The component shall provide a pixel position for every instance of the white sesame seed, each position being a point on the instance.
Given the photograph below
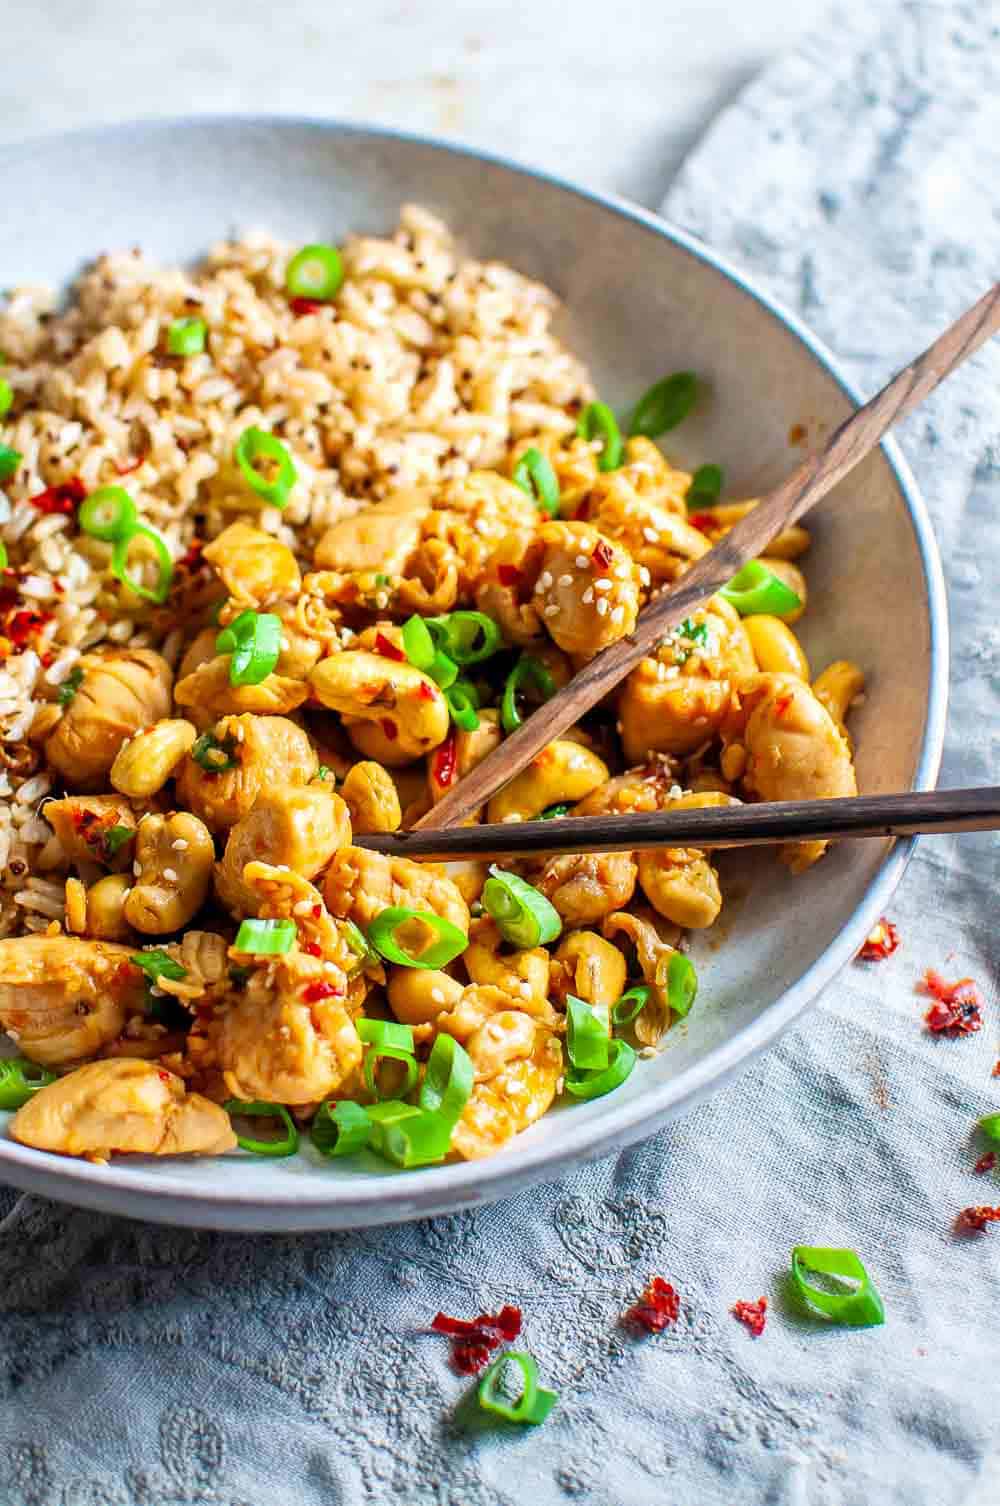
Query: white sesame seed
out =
(618, 615)
(581, 562)
(588, 596)
(603, 584)
(650, 535)
(565, 580)
(602, 606)
(648, 1052)
(644, 575)
(514, 816)
(675, 792)
(525, 990)
(551, 611)
(137, 868)
(285, 645)
(437, 994)
(544, 580)
(302, 907)
(170, 874)
(180, 845)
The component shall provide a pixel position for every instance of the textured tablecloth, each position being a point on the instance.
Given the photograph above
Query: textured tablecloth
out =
(857, 179)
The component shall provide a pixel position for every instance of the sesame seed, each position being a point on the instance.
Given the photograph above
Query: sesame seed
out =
(170, 874)
(588, 596)
(618, 615)
(581, 562)
(525, 990)
(551, 611)
(302, 907)
(437, 994)
(285, 645)
(180, 845)
(603, 584)
(137, 868)
(648, 1052)
(565, 580)
(544, 580)
(514, 816)
(602, 606)
(650, 535)
(644, 575)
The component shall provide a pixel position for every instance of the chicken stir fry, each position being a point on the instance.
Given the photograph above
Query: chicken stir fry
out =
(228, 948)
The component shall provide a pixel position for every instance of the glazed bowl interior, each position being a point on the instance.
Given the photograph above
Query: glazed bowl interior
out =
(640, 300)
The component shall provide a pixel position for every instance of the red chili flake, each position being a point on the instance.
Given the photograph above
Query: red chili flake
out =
(389, 728)
(602, 555)
(508, 575)
(426, 692)
(133, 465)
(316, 912)
(753, 1314)
(445, 763)
(24, 624)
(63, 499)
(986, 1162)
(705, 522)
(313, 992)
(473, 1340)
(996, 1070)
(302, 306)
(388, 649)
(163, 1076)
(973, 1220)
(312, 948)
(191, 559)
(957, 1010)
(782, 704)
(658, 1306)
(881, 941)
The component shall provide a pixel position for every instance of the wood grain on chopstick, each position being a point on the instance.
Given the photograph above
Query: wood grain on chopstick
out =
(714, 826)
(810, 481)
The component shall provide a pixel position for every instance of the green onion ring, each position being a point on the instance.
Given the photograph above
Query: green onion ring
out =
(587, 1037)
(467, 637)
(443, 671)
(527, 669)
(522, 914)
(164, 561)
(682, 983)
(554, 812)
(315, 272)
(4, 558)
(274, 1148)
(463, 705)
(213, 755)
(706, 484)
(385, 1033)
(534, 475)
(9, 462)
(6, 396)
(257, 444)
(534, 1403)
(447, 1084)
(340, 1129)
(664, 404)
(621, 1060)
(419, 1139)
(266, 938)
(596, 420)
(108, 514)
(376, 1054)
(756, 589)
(418, 645)
(21, 1080)
(860, 1308)
(990, 1126)
(450, 943)
(631, 1004)
(186, 337)
(157, 964)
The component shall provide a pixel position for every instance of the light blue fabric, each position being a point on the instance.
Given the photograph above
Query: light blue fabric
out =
(857, 179)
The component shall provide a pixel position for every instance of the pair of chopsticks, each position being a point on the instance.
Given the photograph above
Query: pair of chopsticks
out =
(886, 815)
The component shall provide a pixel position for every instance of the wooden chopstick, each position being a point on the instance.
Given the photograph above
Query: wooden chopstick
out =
(901, 815)
(810, 481)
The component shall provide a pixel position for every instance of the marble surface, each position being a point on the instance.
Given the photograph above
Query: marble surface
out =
(611, 96)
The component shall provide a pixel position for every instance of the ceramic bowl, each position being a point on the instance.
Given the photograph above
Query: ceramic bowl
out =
(640, 299)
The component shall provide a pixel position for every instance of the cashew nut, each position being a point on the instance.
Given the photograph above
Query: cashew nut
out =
(145, 763)
(173, 868)
(563, 772)
(392, 712)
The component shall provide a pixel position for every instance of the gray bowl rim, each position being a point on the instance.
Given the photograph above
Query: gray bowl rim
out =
(465, 1183)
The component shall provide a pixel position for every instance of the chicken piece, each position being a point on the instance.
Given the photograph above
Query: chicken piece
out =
(198, 652)
(520, 1092)
(265, 751)
(359, 885)
(120, 692)
(681, 884)
(794, 750)
(209, 693)
(585, 606)
(83, 824)
(641, 504)
(678, 699)
(295, 826)
(122, 1106)
(255, 567)
(284, 895)
(655, 941)
(62, 999)
(379, 538)
(521, 974)
(470, 518)
(584, 887)
(104, 902)
(588, 967)
(173, 870)
(645, 788)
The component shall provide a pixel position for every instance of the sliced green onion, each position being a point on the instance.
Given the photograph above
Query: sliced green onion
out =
(157, 964)
(385, 1033)
(315, 272)
(376, 1054)
(621, 1060)
(682, 983)
(859, 1307)
(186, 337)
(340, 1129)
(108, 514)
(119, 564)
(256, 444)
(443, 671)
(756, 589)
(266, 938)
(534, 1403)
(447, 1084)
(418, 645)
(357, 940)
(419, 1139)
(70, 686)
(706, 484)
(696, 631)
(631, 1004)
(215, 755)
(598, 419)
(3, 555)
(6, 396)
(20, 1080)
(527, 670)
(587, 1036)
(286, 1146)
(9, 461)
(534, 475)
(115, 839)
(253, 639)
(664, 405)
(449, 941)
(522, 914)
(390, 1111)
(990, 1126)
(553, 812)
(466, 637)
(463, 705)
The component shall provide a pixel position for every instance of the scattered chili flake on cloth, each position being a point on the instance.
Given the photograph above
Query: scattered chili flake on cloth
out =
(986, 1162)
(753, 1314)
(473, 1341)
(658, 1306)
(880, 943)
(956, 1010)
(973, 1220)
